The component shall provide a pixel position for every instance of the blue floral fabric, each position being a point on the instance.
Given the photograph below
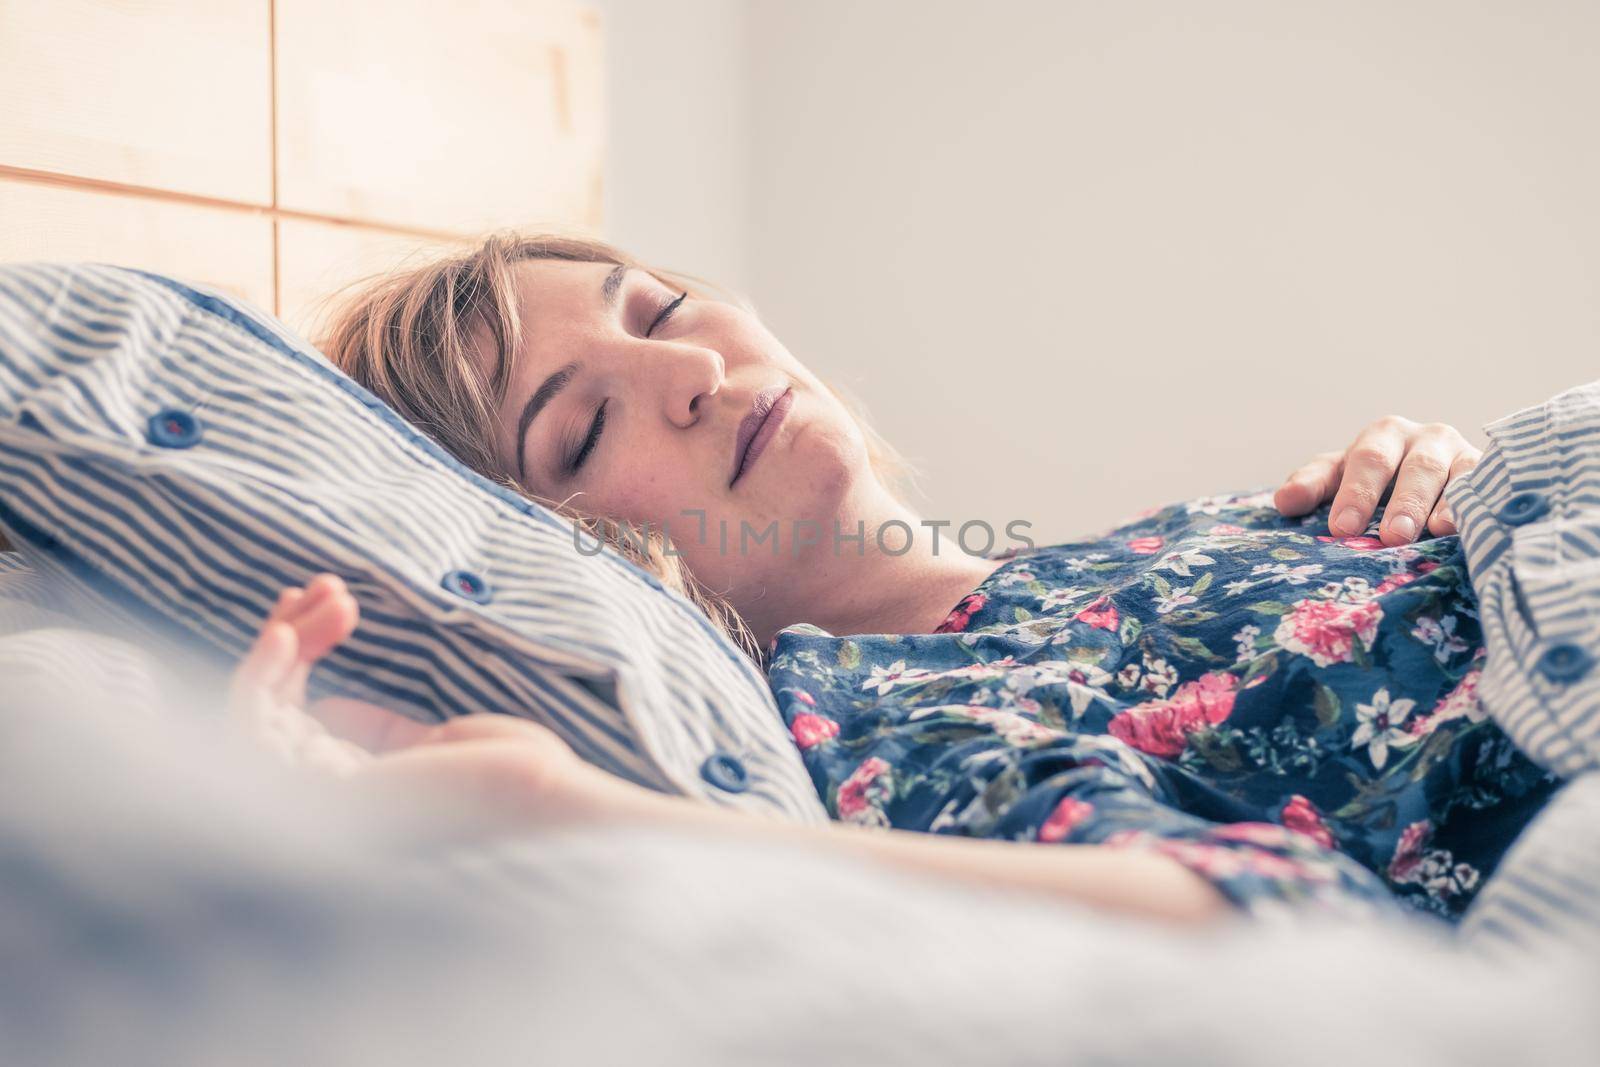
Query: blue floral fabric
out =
(1291, 715)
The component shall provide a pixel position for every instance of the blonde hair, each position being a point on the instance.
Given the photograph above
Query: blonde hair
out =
(408, 337)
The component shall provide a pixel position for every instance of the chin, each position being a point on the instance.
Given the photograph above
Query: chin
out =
(827, 467)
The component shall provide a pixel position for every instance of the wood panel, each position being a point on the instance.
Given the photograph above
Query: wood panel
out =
(316, 261)
(231, 250)
(459, 117)
(170, 94)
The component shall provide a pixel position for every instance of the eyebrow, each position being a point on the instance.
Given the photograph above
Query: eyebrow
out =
(551, 387)
(613, 284)
(548, 390)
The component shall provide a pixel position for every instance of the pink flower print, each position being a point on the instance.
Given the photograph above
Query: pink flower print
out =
(811, 730)
(960, 616)
(1360, 544)
(1146, 546)
(1407, 857)
(1102, 615)
(862, 796)
(1066, 817)
(1460, 702)
(1162, 727)
(1393, 582)
(1327, 630)
(1301, 815)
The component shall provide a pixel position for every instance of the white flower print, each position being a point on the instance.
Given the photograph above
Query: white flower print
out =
(1176, 598)
(1441, 634)
(1159, 676)
(1086, 683)
(1118, 753)
(1061, 597)
(1208, 505)
(1360, 588)
(1245, 640)
(1379, 726)
(1016, 577)
(1299, 574)
(1441, 876)
(1006, 722)
(1022, 677)
(896, 673)
(1128, 677)
(1179, 561)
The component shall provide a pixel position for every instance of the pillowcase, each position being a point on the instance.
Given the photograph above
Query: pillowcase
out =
(171, 458)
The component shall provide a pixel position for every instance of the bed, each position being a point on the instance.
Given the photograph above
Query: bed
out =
(171, 896)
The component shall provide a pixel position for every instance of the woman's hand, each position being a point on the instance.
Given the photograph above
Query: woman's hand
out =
(1416, 459)
(510, 775)
(503, 771)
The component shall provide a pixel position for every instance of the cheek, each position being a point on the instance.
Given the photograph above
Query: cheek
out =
(653, 485)
(830, 459)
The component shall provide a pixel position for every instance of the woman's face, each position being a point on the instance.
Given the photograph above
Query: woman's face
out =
(627, 401)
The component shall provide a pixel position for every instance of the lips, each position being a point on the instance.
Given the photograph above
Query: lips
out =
(757, 428)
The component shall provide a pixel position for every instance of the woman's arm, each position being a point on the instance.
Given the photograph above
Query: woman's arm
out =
(507, 774)
(1130, 881)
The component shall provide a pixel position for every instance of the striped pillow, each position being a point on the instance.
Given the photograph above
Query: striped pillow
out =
(172, 458)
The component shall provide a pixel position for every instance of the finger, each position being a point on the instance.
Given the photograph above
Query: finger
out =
(296, 602)
(1369, 467)
(1443, 520)
(1311, 485)
(373, 728)
(1416, 490)
(250, 689)
(326, 624)
(287, 599)
(269, 659)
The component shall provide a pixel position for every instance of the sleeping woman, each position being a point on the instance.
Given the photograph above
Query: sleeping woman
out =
(1243, 703)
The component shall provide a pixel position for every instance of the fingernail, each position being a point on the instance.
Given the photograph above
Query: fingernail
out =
(1403, 526)
(1445, 514)
(1350, 521)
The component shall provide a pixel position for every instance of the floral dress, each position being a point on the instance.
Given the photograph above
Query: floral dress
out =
(1289, 714)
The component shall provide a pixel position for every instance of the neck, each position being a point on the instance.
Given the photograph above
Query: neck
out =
(873, 592)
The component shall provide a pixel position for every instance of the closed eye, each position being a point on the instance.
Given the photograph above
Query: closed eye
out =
(664, 314)
(596, 428)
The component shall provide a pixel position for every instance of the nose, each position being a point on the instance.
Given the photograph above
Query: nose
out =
(690, 374)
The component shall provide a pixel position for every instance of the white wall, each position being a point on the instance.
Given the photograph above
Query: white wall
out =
(1082, 258)
(678, 151)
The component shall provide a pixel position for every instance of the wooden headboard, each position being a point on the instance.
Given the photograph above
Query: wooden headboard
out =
(277, 149)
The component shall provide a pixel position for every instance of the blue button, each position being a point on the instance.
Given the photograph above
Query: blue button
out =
(1564, 663)
(173, 429)
(1524, 507)
(725, 772)
(468, 585)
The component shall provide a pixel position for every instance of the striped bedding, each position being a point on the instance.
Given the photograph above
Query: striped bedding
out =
(171, 459)
(1529, 516)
